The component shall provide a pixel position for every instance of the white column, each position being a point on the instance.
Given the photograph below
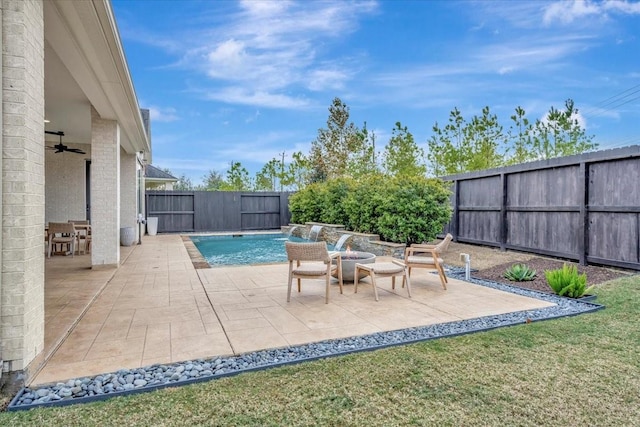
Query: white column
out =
(105, 191)
(128, 186)
(22, 182)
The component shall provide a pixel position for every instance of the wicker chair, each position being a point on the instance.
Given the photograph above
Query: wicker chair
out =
(382, 269)
(318, 263)
(428, 256)
(62, 233)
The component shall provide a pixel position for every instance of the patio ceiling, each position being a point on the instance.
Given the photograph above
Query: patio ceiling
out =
(85, 65)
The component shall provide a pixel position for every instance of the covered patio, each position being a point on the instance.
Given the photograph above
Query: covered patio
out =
(157, 308)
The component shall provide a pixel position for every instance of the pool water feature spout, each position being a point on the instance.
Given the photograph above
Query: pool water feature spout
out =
(342, 240)
(314, 233)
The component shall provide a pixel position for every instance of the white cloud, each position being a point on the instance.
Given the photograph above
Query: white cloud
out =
(527, 53)
(275, 47)
(623, 6)
(242, 95)
(159, 114)
(327, 79)
(567, 12)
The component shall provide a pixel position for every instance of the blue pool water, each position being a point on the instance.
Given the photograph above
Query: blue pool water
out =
(244, 249)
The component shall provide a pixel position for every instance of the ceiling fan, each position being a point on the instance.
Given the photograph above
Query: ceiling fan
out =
(60, 147)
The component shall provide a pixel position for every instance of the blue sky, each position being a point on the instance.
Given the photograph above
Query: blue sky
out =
(245, 81)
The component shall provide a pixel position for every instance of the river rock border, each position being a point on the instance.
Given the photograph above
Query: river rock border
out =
(129, 381)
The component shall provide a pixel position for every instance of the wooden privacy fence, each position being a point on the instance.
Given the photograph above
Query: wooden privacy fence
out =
(584, 207)
(200, 211)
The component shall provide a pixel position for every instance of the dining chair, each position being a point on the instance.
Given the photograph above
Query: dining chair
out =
(83, 233)
(62, 233)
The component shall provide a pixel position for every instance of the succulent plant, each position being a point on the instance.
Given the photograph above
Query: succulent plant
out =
(567, 282)
(520, 273)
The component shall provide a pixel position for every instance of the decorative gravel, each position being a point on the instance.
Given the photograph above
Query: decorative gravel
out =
(153, 377)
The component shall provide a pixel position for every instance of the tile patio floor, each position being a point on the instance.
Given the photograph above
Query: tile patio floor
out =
(157, 308)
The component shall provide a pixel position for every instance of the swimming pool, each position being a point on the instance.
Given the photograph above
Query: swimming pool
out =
(242, 249)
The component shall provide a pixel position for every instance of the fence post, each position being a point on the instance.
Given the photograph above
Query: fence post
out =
(456, 203)
(503, 212)
(583, 221)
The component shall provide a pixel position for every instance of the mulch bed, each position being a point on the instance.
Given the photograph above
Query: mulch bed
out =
(595, 275)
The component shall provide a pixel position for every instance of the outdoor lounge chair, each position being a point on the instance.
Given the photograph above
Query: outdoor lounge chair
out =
(428, 256)
(317, 263)
(62, 233)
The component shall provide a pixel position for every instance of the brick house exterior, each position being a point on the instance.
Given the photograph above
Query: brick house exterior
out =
(62, 62)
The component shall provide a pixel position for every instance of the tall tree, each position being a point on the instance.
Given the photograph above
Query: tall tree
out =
(297, 173)
(446, 146)
(363, 161)
(183, 184)
(402, 156)
(520, 136)
(266, 177)
(335, 144)
(560, 134)
(237, 178)
(212, 181)
(463, 146)
(484, 141)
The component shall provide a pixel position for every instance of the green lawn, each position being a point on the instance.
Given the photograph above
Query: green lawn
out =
(582, 370)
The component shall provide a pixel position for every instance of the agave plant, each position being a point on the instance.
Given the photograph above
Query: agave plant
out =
(567, 282)
(520, 273)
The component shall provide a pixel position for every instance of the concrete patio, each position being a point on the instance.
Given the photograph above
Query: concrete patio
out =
(157, 308)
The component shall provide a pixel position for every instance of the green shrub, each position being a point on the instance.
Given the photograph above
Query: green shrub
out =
(306, 205)
(566, 281)
(401, 210)
(520, 273)
(362, 205)
(414, 210)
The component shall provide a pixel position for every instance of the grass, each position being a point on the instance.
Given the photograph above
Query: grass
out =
(582, 370)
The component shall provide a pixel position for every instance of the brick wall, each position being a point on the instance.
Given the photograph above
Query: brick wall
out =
(22, 276)
(105, 191)
(65, 185)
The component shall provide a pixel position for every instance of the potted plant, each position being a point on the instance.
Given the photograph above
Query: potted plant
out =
(567, 282)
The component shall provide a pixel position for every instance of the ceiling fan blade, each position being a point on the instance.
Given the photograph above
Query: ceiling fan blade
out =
(60, 147)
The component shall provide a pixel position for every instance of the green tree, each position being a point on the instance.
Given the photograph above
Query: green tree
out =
(266, 177)
(183, 184)
(484, 142)
(212, 181)
(520, 136)
(402, 156)
(237, 178)
(478, 144)
(334, 146)
(362, 162)
(560, 134)
(297, 174)
(446, 150)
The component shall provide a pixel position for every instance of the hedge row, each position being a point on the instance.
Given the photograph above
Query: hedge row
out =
(400, 210)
